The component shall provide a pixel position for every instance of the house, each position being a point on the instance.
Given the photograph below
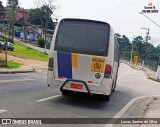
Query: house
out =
(22, 14)
(32, 33)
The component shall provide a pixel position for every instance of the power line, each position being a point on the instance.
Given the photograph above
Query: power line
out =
(149, 19)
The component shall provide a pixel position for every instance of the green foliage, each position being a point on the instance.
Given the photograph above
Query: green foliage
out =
(2, 39)
(37, 16)
(41, 42)
(141, 48)
(135, 54)
(138, 45)
(1, 5)
(126, 54)
(124, 45)
(27, 53)
(12, 3)
(11, 64)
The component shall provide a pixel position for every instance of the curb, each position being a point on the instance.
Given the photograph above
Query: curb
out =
(19, 70)
(14, 72)
(125, 109)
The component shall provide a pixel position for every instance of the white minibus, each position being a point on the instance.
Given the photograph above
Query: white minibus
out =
(84, 58)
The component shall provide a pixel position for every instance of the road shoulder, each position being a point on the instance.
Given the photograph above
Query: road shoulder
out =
(140, 107)
(150, 74)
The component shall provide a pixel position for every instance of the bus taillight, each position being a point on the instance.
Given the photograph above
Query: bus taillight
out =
(108, 71)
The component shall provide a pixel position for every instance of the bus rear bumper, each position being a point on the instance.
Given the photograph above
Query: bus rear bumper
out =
(103, 89)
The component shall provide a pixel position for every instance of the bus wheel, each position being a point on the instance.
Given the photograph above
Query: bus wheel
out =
(105, 97)
(69, 93)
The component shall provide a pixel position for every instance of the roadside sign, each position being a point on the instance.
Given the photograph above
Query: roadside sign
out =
(135, 58)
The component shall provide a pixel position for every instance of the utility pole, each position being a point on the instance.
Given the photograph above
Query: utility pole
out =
(158, 66)
(46, 25)
(12, 25)
(131, 60)
(24, 26)
(145, 42)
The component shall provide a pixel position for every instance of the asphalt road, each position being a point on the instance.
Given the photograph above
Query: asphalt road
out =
(27, 96)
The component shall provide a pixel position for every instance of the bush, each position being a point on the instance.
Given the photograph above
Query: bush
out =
(10, 40)
(2, 39)
(41, 42)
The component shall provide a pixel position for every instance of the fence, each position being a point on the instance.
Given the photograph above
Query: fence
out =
(151, 64)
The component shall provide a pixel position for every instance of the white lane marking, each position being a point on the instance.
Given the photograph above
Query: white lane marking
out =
(3, 110)
(127, 106)
(16, 80)
(48, 98)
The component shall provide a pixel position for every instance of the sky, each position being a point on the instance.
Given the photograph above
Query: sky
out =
(122, 15)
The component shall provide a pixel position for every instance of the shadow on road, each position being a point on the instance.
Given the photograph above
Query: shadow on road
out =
(117, 100)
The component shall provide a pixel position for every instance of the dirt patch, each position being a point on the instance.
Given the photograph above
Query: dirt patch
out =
(35, 64)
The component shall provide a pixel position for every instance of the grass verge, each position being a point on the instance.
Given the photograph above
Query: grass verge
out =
(27, 53)
(11, 64)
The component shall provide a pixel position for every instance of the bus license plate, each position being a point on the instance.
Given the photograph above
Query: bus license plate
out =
(76, 86)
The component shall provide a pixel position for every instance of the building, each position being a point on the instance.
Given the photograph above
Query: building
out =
(32, 33)
(6, 11)
(22, 15)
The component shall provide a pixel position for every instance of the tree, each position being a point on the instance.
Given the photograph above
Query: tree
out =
(138, 45)
(37, 16)
(1, 5)
(12, 3)
(42, 15)
(1, 10)
(124, 45)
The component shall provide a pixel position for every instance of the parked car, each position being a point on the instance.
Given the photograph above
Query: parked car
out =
(1, 44)
(10, 46)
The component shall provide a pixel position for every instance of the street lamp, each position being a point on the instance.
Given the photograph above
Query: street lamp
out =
(144, 53)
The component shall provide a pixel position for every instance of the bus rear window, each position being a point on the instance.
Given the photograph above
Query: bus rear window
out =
(83, 36)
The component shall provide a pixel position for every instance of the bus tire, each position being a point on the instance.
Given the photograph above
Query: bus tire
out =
(105, 97)
(68, 93)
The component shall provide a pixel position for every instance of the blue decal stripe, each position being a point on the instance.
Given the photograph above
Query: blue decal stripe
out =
(64, 64)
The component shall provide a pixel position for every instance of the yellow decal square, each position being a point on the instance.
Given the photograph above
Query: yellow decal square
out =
(97, 64)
